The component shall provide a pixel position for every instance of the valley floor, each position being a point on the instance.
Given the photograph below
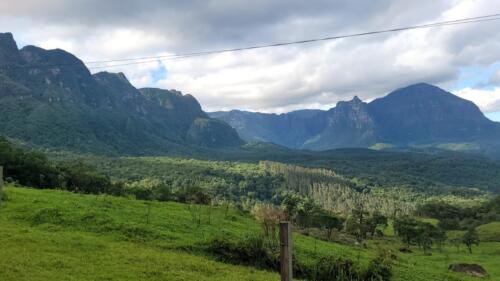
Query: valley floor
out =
(56, 235)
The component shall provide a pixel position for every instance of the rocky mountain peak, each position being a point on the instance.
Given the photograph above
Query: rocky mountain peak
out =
(7, 41)
(8, 49)
(356, 99)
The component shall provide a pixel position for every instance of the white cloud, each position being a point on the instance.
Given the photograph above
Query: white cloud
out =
(279, 79)
(495, 78)
(487, 100)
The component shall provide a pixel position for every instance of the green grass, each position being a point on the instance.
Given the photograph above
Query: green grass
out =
(57, 235)
(38, 254)
(489, 232)
(54, 235)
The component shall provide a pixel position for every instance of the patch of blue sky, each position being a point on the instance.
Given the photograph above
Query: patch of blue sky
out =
(495, 116)
(476, 77)
(160, 73)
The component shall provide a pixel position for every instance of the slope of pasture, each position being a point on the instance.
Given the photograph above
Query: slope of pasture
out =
(57, 235)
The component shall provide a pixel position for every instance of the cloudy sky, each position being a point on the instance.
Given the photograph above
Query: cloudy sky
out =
(464, 59)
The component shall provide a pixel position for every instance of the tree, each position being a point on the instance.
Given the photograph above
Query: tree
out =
(376, 219)
(329, 223)
(307, 211)
(470, 238)
(439, 237)
(425, 235)
(356, 225)
(290, 204)
(406, 228)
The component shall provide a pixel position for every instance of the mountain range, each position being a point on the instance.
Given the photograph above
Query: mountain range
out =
(419, 115)
(50, 99)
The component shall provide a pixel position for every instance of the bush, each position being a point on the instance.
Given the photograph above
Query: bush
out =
(331, 268)
(379, 269)
(256, 251)
(251, 250)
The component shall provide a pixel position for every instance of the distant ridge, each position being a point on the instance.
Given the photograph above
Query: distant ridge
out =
(417, 115)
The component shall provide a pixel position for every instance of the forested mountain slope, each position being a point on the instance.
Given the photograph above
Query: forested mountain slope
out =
(417, 115)
(50, 99)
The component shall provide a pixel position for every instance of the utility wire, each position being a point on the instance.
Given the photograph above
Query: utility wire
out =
(436, 24)
(142, 60)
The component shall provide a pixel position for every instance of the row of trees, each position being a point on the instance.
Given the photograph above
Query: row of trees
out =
(454, 217)
(31, 168)
(341, 195)
(425, 235)
(305, 214)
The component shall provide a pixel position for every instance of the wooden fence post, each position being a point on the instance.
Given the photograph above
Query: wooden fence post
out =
(286, 251)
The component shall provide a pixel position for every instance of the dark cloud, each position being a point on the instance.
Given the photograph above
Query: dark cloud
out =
(285, 78)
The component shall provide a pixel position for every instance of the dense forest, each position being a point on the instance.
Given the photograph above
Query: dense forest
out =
(178, 179)
(430, 171)
(336, 193)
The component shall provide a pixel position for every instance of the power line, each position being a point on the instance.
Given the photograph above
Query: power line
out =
(133, 61)
(142, 60)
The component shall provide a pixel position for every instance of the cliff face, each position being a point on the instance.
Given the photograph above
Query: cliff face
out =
(49, 98)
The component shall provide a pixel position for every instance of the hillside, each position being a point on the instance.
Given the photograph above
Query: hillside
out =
(88, 237)
(66, 236)
(209, 212)
(48, 98)
(413, 116)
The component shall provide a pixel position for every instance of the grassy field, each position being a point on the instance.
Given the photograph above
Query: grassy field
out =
(56, 235)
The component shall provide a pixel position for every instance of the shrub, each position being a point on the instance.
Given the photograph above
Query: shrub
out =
(251, 250)
(269, 217)
(379, 269)
(256, 251)
(331, 268)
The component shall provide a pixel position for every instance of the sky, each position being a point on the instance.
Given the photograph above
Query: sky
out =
(463, 59)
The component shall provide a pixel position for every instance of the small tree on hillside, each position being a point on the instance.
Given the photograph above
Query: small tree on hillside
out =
(439, 237)
(425, 236)
(290, 205)
(470, 238)
(307, 211)
(330, 222)
(269, 217)
(376, 219)
(406, 228)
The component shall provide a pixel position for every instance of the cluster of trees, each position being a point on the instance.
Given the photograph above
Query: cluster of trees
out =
(31, 168)
(224, 181)
(340, 195)
(434, 173)
(302, 212)
(162, 179)
(361, 223)
(415, 232)
(454, 217)
(425, 235)
(305, 214)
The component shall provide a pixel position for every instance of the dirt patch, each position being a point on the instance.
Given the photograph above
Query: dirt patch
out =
(471, 269)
